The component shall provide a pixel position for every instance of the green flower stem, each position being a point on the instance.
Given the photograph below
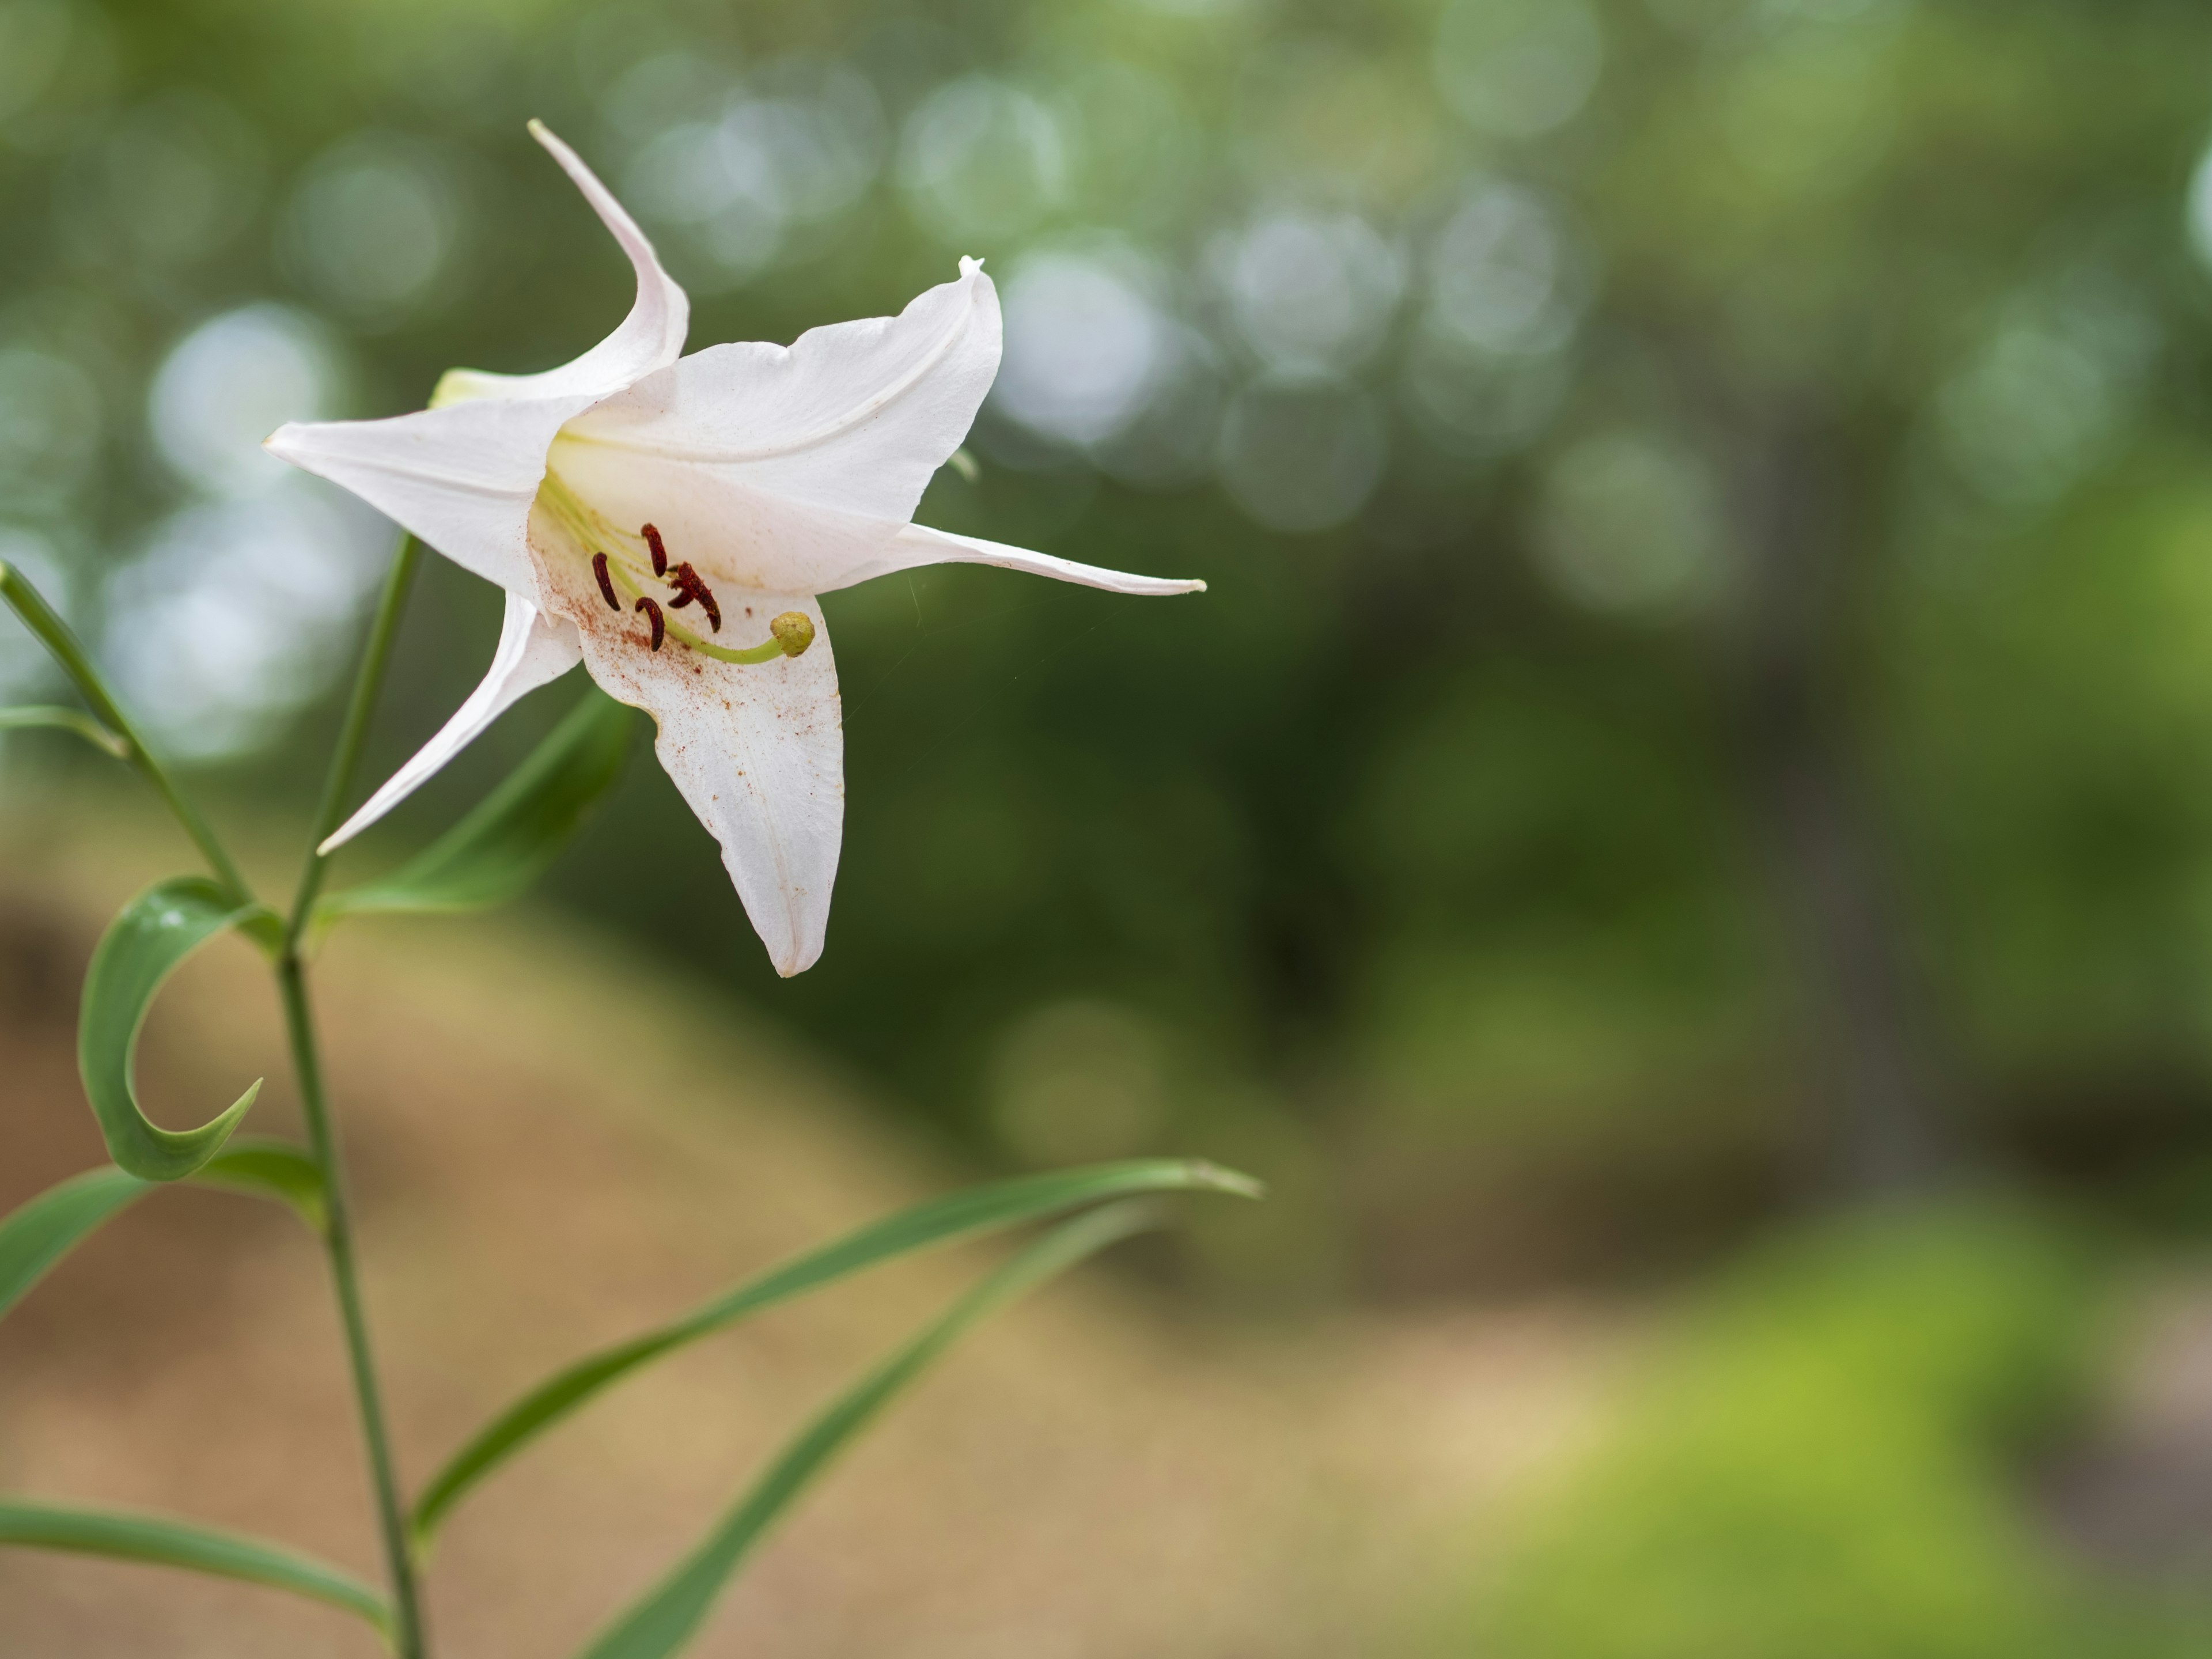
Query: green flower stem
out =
(376, 657)
(407, 1637)
(69, 651)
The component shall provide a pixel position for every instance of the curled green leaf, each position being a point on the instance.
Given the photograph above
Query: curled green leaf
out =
(66, 719)
(937, 1221)
(38, 1233)
(141, 947)
(161, 1541)
(514, 834)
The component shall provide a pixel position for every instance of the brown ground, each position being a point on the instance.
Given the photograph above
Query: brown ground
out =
(554, 1144)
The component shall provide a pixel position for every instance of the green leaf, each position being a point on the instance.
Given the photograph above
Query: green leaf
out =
(39, 1232)
(67, 720)
(36, 1235)
(939, 1221)
(168, 1543)
(271, 1168)
(660, 1622)
(143, 945)
(515, 832)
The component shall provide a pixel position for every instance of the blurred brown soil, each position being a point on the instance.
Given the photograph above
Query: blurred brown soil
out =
(555, 1144)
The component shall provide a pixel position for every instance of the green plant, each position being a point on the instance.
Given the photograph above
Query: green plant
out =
(1827, 1467)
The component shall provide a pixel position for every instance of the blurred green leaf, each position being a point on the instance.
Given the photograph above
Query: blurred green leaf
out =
(41, 1232)
(66, 719)
(939, 1221)
(141, 947)
(663, 1621)
(271, 1168)
(515, 832)
(37, 1234)
(163, 1542)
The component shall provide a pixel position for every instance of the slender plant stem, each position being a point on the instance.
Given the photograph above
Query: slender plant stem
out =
(322, 1136)
(69, 651)
(376, 656)
(337, 1236)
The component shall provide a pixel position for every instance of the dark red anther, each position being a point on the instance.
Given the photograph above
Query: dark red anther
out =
(659, 553)
(652, 614)
(689, 584)
(606, 582)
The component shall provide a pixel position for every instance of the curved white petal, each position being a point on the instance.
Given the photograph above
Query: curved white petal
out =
(650, 337)
(461, 474)
(534, 649)
(756, 749)
(789, 469)
(918, 544)
(462, 478)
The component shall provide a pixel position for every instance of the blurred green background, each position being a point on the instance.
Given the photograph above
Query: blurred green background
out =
(1701, 719)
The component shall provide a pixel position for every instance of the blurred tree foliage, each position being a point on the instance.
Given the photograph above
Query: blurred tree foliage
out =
(1704, 681)
(1828, 1464)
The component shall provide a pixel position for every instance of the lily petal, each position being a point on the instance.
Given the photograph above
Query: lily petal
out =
(789, 469)
(462, 473)
(534, 650)
(650, 337)
(756, 749)
(918, 544)
(462, 478)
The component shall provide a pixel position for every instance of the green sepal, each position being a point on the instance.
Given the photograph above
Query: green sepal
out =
(937, 1221)
(161, 1541)
(38, 1232)
(141, 947)
(663, 1621)
(514, 834)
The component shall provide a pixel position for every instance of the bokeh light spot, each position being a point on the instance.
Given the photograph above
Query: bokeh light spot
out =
(1301, 457)
(1517, 68)
(229, 384)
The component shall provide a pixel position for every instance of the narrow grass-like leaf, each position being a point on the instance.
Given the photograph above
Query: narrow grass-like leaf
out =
(36, 1235)
(163, 1542)
(937, 1221)
(66, 719)
(666, 1618)
(69, 652)
(141, 947)
(39, 1232)
(515, 832)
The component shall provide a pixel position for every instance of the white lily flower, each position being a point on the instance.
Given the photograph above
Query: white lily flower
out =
(606, 496)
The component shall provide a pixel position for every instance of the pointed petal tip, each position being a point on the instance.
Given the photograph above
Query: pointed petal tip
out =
(339, 836)
(795, 959)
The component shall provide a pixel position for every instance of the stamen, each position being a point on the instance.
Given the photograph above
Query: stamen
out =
(606, 582)
(659, 553)
(687, 583)
(652, 614)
